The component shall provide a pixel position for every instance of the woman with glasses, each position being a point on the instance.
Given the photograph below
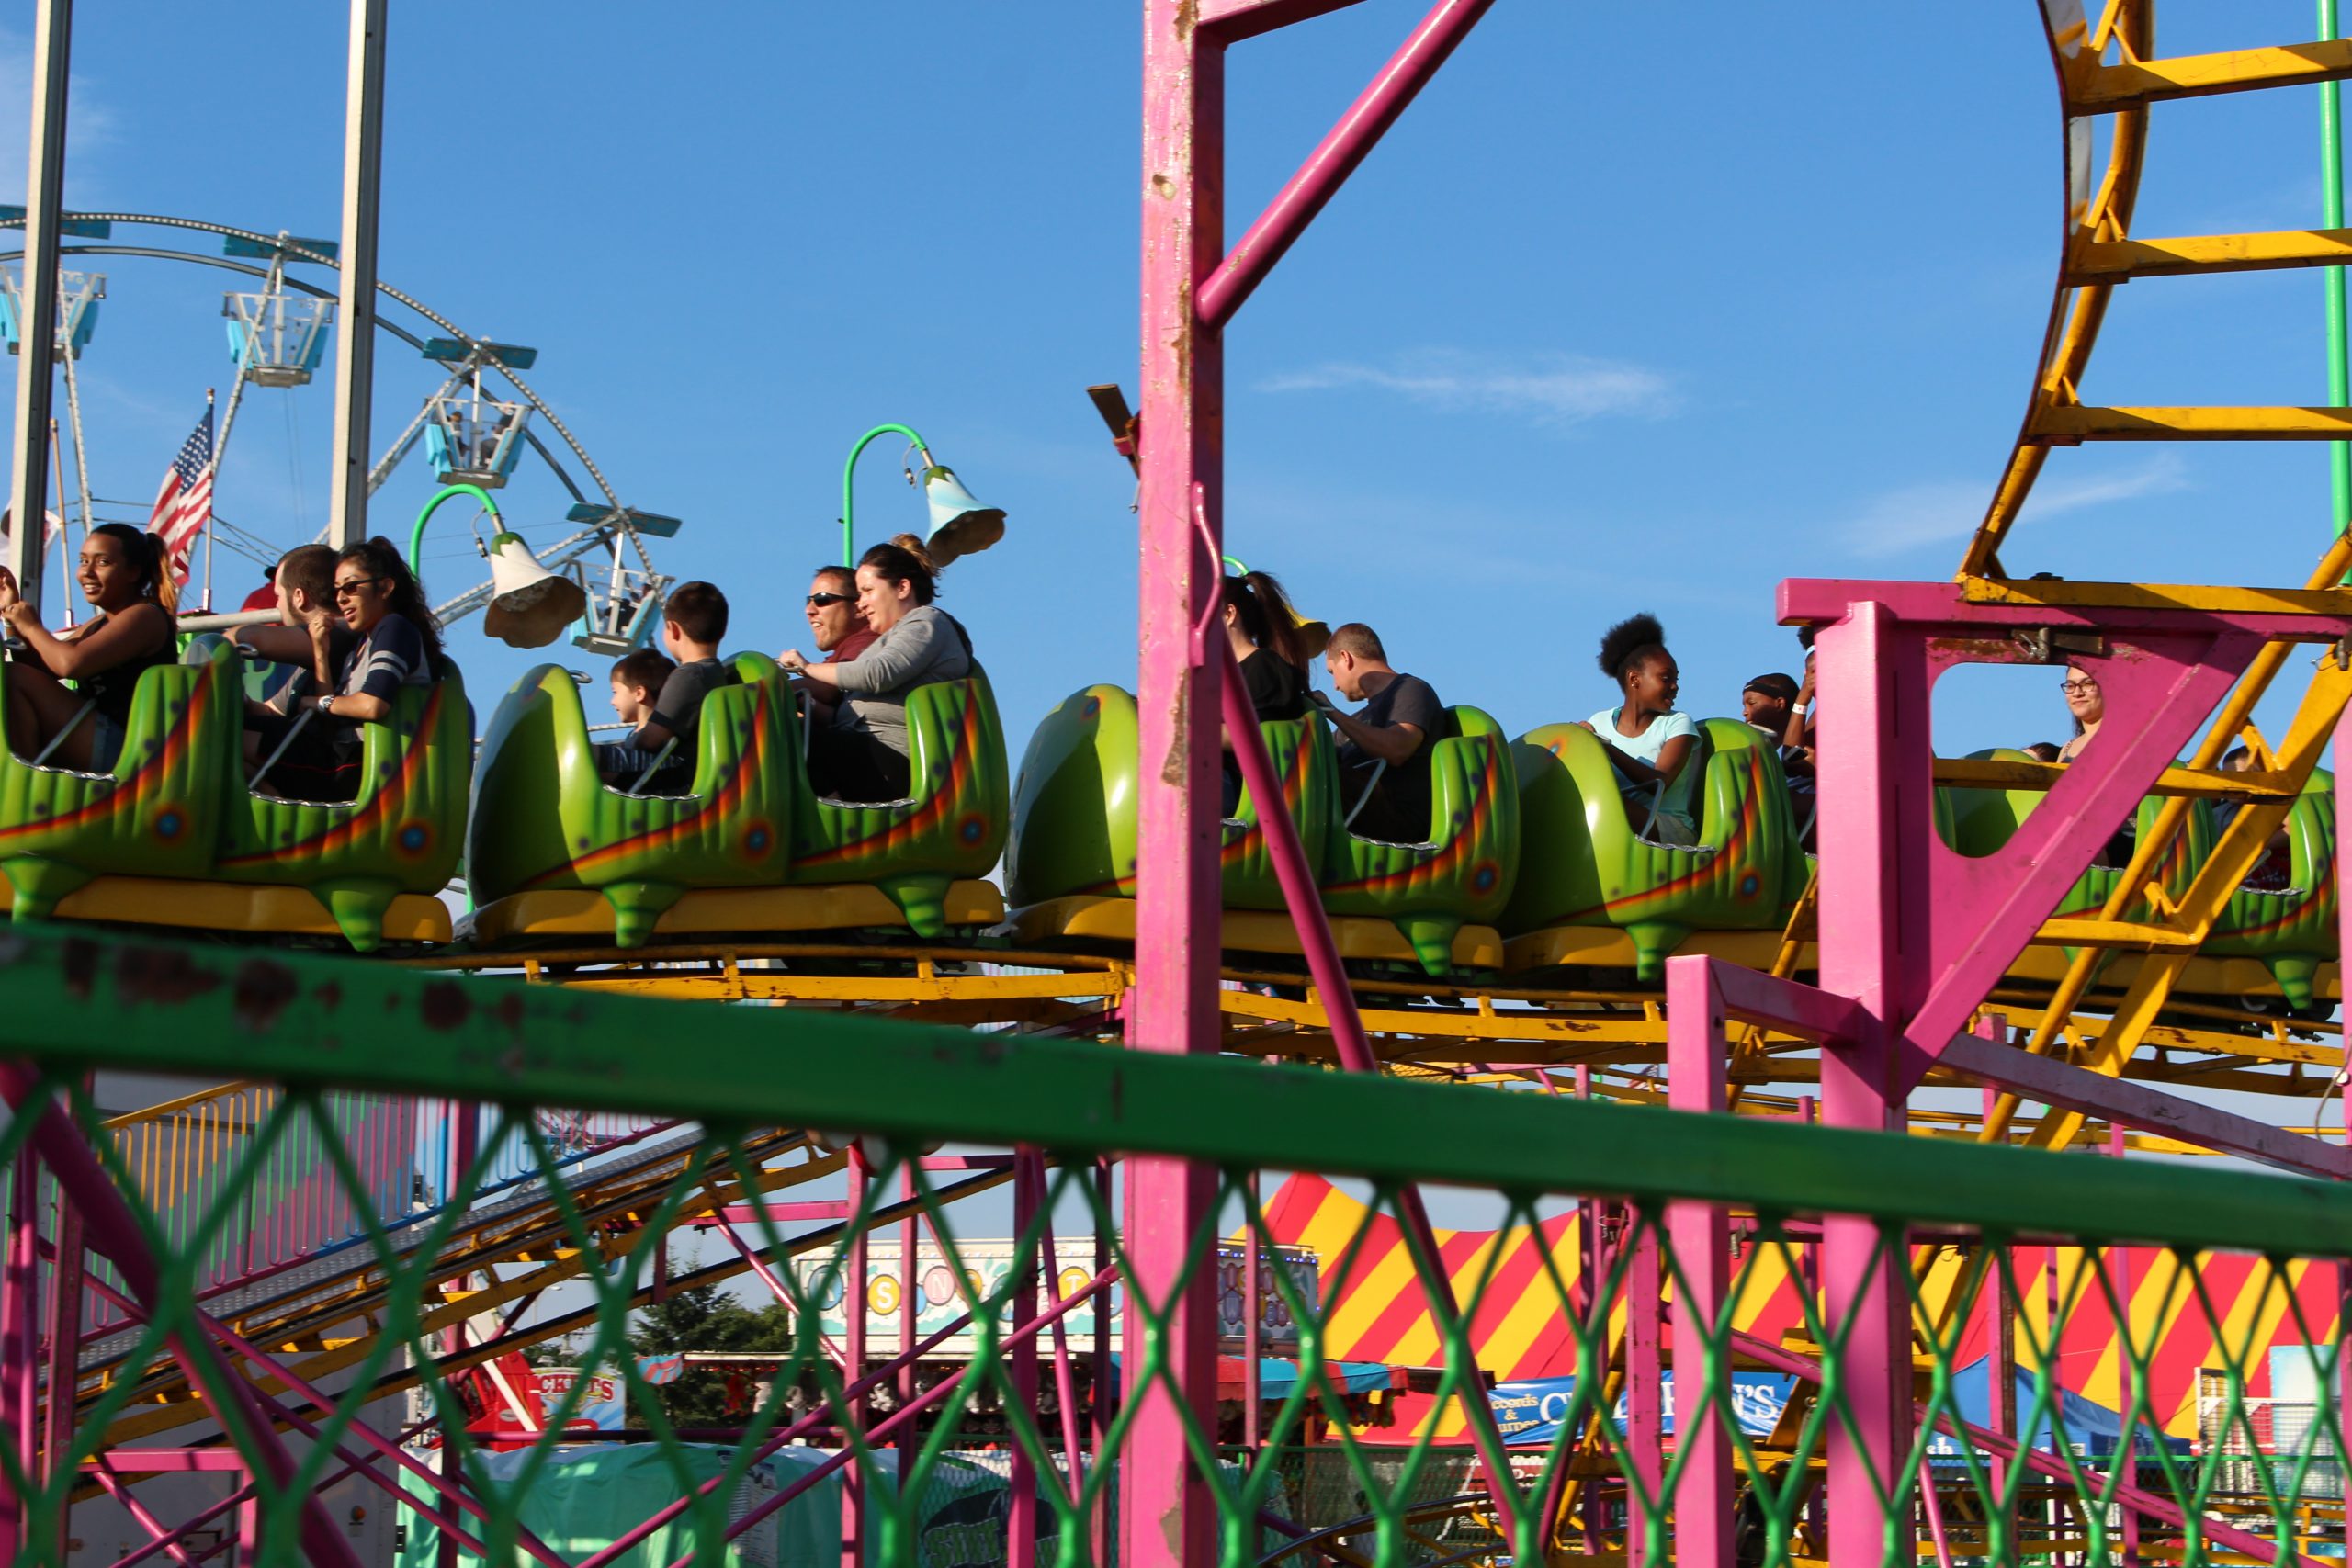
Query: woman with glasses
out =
(2088, 706)
(381, 604)
(862, 754)
(126, 575)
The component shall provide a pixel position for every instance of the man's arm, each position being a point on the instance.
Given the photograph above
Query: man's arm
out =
(1391, 744)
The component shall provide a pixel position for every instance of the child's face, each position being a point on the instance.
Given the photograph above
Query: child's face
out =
(628, 703)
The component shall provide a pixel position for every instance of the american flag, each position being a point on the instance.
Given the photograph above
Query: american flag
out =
(184, 505)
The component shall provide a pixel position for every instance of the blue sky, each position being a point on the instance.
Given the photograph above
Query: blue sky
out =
(1626, 314)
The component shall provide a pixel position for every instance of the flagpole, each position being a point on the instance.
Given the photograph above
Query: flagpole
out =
(213, 458)
(81, 458)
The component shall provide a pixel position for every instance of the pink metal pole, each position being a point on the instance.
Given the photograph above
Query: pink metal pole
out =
(64, 1352)
(465, 1143)
(1020, 1369)
(861, 1407)
(1696, 1056)
(1167, 1514)
(20, 1349)
(1644, 1369)
(1877, 816)
(1329, 166)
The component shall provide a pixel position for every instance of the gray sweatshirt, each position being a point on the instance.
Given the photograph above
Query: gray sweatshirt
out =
(920, 650)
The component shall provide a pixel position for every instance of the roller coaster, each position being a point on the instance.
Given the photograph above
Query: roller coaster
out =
(1970, 924)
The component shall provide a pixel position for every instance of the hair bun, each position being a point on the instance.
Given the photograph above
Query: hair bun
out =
(916, 549)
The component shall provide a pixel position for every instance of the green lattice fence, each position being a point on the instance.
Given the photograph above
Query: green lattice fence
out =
(948, 1460)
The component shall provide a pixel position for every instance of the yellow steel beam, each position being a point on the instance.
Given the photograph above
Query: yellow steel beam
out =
(2103, 89)
(2117, 261)
(1972, 773)
(2058, 594)
(2065, 423)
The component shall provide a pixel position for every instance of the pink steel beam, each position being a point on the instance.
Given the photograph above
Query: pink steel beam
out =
(1167, 1514)
(1960, 921)
(1305, 899)
(1874, 795)
(1695, 1074)
(113, 1234)
(1328, 167)
(1188, 291)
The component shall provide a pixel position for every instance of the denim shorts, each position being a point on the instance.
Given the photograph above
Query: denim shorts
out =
(106, 737)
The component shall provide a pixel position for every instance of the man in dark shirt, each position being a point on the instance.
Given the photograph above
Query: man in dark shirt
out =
(840, 632)
(1400, 719)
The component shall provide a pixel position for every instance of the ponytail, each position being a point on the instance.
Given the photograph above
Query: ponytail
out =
(1267, 618)
(158, 584)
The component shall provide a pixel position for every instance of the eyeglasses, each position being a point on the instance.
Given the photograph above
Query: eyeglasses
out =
(2076, 688)
(351, 590)
(818, 601)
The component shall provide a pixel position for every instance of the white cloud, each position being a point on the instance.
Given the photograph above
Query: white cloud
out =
(1556, 389)
(91, 125)
(1939, 511)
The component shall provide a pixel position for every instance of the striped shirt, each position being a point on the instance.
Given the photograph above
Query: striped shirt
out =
(389, 657)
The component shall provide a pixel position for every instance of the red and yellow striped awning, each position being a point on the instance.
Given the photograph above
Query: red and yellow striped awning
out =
(2200, 1312)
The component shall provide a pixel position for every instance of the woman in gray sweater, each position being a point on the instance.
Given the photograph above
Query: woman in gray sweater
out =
(862, 754)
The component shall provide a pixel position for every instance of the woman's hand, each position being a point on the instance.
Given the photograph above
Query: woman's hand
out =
(19, 614)
(1585, 725)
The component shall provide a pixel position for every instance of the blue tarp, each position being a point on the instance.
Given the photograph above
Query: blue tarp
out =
(2083, 1425)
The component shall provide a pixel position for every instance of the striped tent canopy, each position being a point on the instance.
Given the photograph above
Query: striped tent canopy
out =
(2200, 1313)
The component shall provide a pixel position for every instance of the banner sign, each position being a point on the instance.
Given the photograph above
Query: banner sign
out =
(939, 1298)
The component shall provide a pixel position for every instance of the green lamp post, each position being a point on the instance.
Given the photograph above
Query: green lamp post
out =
(529, 606)
(959, 524)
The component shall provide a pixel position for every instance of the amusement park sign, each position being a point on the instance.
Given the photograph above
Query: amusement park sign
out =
(939, 1301)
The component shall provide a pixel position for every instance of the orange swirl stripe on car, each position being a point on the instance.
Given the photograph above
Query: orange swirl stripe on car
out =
(144, 782)
(1294, 801)
(392, 798)
(725, 799)
(926, 815)
(2299, 908)
(1457, 848)
(1751, 815)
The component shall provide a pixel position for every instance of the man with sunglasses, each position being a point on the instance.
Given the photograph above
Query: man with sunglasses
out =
(840, 632)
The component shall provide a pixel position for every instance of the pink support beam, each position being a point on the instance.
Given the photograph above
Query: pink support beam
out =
(1188, 289)
(1871, 793)
(1167, 1513)
(1696, 1056)
(1960, 923)
(1644, 1383)
(1328, 167)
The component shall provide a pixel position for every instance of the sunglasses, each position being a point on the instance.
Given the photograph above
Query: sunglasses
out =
(351, 590)
(819, 601)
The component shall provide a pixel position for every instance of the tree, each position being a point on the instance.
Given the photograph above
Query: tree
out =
(704, 1317)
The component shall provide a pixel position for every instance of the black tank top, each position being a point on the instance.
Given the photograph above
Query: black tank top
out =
(112, 689)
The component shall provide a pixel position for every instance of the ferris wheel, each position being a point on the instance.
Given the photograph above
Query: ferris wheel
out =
(479, 429)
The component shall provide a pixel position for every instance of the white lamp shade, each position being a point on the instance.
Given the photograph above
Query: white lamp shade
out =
(529, 606)
(959, 524)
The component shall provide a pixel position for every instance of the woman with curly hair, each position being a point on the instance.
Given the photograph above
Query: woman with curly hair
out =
(1649, 741)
